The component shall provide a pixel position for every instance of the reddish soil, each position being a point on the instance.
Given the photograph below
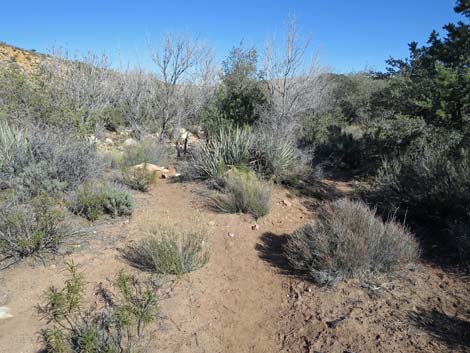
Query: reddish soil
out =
(245, 299)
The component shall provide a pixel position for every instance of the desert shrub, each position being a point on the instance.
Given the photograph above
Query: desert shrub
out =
(35, 161)
(116, 323)
(429, 181)
(86, 201)
(244, 193)
(349, 240)
(170, 249)
(316, 129)
(12, 139)
(91, 200)
(73, 160)
(275, 155)
(140, 179)
(229, 147)
(145, 151)
(117, 200)
(29, 227)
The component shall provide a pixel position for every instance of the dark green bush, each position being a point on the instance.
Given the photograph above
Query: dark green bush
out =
(348, 240)
(114, 325)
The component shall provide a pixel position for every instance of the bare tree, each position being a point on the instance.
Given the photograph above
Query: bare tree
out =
(294, 83)
(79, 88)
(184, 71)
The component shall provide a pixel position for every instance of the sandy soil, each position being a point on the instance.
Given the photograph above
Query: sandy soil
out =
(245, 299)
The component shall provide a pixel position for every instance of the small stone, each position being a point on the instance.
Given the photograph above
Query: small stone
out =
(5, 313)
(231, 235)
(287, 203)
(53, 266)
(255, 226)
(108, 141)
(211, 223)
(171, 171)
(130, 142)
(126, 222)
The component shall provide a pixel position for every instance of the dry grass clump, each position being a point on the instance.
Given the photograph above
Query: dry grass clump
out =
(140, 179)
(349, 240)
(168, 248)
(244, 192)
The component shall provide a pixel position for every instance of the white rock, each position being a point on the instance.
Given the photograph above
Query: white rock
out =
(287, 203)
(130, 142)
(4, 313)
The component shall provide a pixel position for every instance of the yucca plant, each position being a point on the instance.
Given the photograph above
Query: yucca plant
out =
(275, 155)
(229, 147)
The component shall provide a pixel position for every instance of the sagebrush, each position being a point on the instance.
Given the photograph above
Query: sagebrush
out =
(349, 240)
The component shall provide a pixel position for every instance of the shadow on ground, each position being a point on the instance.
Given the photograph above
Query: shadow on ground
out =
(452, 331)
(271, 250)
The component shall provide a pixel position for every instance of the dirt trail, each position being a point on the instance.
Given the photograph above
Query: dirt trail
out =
(243, 300)
(233, 304)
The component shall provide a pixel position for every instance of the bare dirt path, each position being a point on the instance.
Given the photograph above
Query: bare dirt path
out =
(233, 304)
(244, 300)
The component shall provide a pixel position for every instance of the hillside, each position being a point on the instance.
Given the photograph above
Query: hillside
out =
(28, 60)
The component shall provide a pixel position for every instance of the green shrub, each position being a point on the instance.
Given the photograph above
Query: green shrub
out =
(117, 201)
(169, 249)
(140, 179)
(91, 200)
(116, 325)
(429, 181)
(29, 227)
(348, 240)
(86, 201)
(145, 151)
(244, 193)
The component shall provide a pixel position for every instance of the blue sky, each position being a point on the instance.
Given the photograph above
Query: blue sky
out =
(350, 35)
